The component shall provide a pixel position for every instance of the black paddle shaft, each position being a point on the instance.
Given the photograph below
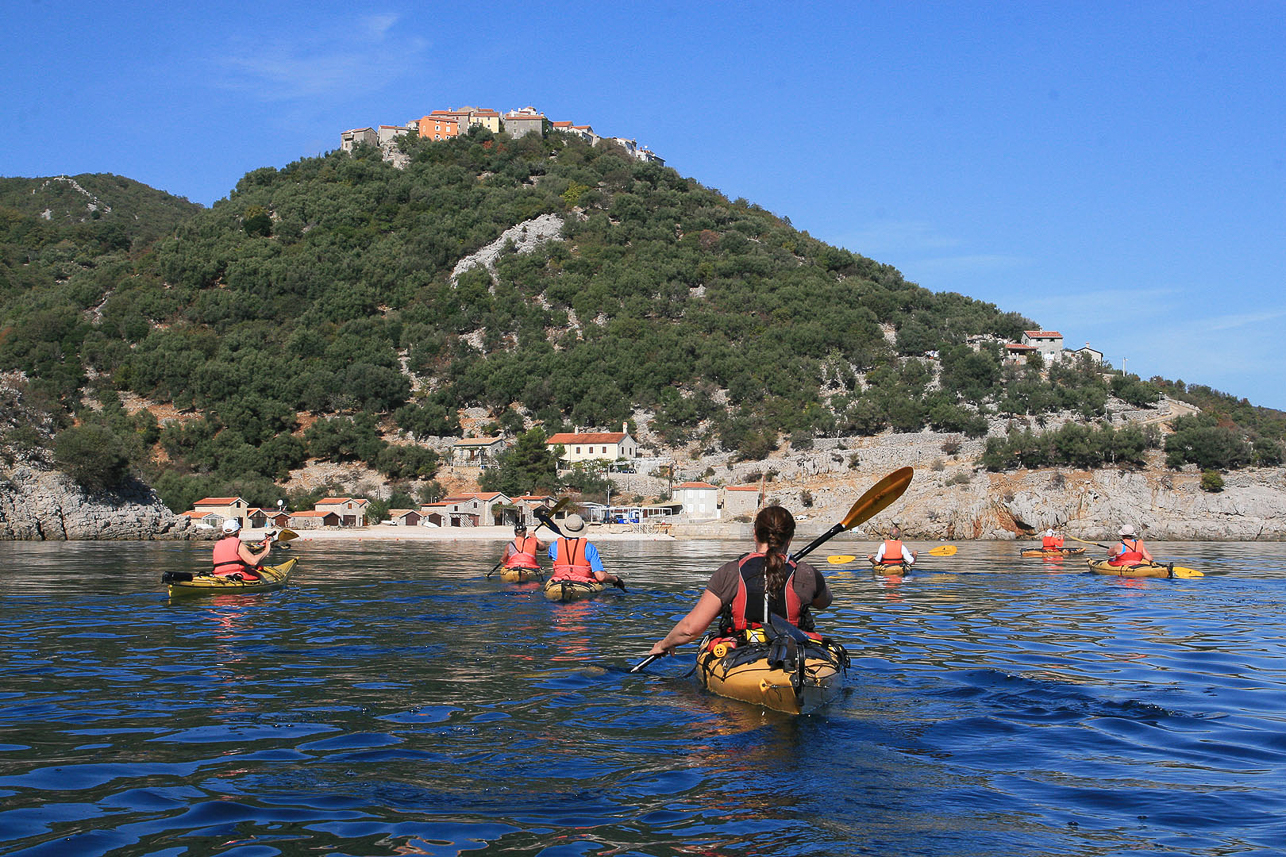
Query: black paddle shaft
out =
(818, 542)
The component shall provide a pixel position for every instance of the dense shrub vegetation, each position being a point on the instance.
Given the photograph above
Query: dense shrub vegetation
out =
(322, 294)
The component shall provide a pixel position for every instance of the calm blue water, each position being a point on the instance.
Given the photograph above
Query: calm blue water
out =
(393, 701)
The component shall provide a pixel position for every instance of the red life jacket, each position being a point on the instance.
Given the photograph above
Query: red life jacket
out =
(750, 598)
(228, 561)
(1051, 543)
(893, 552)
(570, 562)
(1129, 555)
(524, 555)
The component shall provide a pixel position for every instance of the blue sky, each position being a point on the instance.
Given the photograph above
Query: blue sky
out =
(1114, 171)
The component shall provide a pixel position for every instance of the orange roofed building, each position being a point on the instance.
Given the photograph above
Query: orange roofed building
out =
(351, 510)
(594, 446)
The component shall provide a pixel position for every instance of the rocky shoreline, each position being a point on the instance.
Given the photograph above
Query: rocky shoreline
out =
(945, 502)
(38, 504)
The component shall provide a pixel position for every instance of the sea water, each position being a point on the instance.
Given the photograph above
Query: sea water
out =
(393, 700)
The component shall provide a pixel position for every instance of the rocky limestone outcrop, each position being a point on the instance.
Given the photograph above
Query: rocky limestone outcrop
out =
(42, 504)
(958, 503)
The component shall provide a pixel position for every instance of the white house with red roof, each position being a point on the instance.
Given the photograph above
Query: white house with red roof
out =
(1048, 342)
(700, 500)
(594, 446)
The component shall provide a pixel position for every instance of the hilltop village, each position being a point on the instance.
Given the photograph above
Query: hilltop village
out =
(446, 124)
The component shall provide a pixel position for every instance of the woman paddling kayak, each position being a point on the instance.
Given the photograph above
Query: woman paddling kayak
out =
(765, 651)
(747, 590)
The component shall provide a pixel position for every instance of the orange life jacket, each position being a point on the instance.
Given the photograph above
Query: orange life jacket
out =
(570, 562)
(1051, 543)
(227, 559)
(750, 599)
(893, 552)
(1129, 555)
(524, 555)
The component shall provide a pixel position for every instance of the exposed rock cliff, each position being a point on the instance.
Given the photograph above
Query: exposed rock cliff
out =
(956, 503)
(41, 504)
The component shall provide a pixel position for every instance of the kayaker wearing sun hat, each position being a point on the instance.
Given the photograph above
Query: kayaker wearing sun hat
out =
(1131, 550)
(574, 557)
(233, 556)
(1051, 541)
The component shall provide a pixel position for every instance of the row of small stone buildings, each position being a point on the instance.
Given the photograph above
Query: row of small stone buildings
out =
(698, 501)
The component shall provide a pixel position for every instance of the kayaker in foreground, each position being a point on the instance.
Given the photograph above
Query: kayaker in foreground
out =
(575, 557)
(736, 591)
(233, 556)
(1131, 550)
(892, 551)
(521, 552)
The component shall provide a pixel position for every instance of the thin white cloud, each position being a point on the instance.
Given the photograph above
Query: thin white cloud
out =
(359, 57)
(1231, 322)
(899, 237)
(975, 263)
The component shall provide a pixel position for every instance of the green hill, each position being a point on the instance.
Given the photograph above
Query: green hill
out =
(325, 290)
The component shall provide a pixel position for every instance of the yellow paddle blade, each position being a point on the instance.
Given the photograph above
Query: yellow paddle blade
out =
(880, 496)
(287, 535)
(558, 507)
(840, 560)
(944, 550)
(1180, 571)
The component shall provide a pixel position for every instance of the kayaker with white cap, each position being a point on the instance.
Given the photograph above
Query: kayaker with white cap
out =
(233, 556)
(575, 557)
(1131, 550)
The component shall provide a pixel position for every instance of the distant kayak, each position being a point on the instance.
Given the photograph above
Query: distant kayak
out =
(891, 567)
(1053, 552)
(1142, 569)
(206, 583)
(769, 674)
(520, 575)
(571, 590)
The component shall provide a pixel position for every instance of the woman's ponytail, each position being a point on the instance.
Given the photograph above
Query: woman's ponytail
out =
(775, 527)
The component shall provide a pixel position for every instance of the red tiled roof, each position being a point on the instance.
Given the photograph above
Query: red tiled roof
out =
(1043, 334)
(217, 501)
(696, 485)
(311, 513)
(590, 437)
(742, 488)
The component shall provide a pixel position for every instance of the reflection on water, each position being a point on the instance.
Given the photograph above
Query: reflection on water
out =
(394, 701)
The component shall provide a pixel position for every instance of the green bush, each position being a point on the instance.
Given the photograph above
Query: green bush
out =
(93, 455)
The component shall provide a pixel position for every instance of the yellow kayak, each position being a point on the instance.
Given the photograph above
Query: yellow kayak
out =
(891, 567)
(520, 575)
(206, 583)
(1143, 569)
(768, 674)
(570, 590)
(1054, 553)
